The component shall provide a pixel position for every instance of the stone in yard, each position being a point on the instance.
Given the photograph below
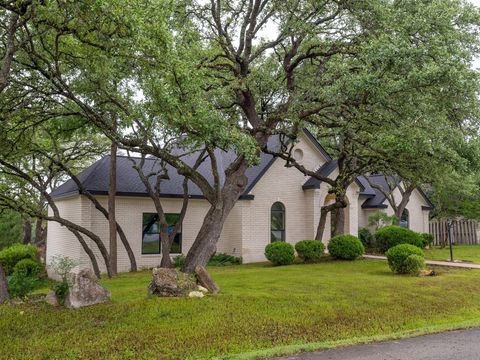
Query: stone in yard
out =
(202, 289)
(196, 294)
(85, 291)
(52, 299)
(205, 280)
(171, 282)
(428, 272)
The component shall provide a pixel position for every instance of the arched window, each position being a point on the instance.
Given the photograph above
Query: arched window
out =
(277, 222)
(404, 220)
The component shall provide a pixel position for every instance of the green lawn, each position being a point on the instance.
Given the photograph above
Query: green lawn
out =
(287, 308)
(460, 252)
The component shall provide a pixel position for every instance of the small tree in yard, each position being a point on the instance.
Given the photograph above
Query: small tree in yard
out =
(380, 219)
(62, 265)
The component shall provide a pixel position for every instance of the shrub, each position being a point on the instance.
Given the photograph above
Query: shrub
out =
(365, 237)
(224, 260)
(10, 256)
(427, 239)
(62, 265)
(61, 290)
(178, 261)
(309, 250)
(346, 247)
(19, 285)
(28, 267)
(391, 236)
(398, 255)
(414, 264)
(280, 253)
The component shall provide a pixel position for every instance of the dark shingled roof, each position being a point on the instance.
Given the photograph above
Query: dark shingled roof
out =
(377, 201)
(96, 177)
(327, 168)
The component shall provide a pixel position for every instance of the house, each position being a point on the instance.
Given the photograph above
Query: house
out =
(279, 203)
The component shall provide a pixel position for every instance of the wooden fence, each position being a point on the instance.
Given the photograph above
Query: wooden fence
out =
(463, 232)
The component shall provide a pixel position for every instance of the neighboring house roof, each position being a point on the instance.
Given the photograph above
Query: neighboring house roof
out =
(96, 177)
(377, 201)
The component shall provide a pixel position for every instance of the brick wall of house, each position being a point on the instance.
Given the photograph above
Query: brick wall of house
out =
(284, 185)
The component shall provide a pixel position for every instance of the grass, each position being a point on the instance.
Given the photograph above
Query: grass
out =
(261, 311)
(469, 253)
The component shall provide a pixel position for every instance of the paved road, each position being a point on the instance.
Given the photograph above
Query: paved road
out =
(454, 345)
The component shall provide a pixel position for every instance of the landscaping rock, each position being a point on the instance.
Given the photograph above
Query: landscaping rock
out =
(202, 289)
(171, 282)
(52, 299)
(205, 280)
(85, 291)
(196, 294)
(428, 272)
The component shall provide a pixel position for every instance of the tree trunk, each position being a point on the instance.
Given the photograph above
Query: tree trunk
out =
(166, 245)
(112, 223)
(323, 218)
(321, 223)
(4, 296)
(205, 243)
(339, 221)
(38, 231)
(403, 204)
(27, 231)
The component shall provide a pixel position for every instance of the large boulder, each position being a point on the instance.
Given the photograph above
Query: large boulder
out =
(171, 282)
(85, 290)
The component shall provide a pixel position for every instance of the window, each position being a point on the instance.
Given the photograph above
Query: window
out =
(277, 222)
(151, 233)
(404, 219)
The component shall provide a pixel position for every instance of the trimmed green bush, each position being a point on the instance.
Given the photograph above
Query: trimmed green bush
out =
(414, 264)
(390, 236)
(346, 247)
(28, 267)
(280, 253)
(397, 257)
(10, 256)
(309, 250)
(365, 237)
(179, 260)
(427, 239)
(20, 285)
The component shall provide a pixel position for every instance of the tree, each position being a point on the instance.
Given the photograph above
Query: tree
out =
(11, 230)
(112, 190)
(14, 16)
(159, 172)
(211, 94)
(405, 101)
(205, 74)
(380, 219)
